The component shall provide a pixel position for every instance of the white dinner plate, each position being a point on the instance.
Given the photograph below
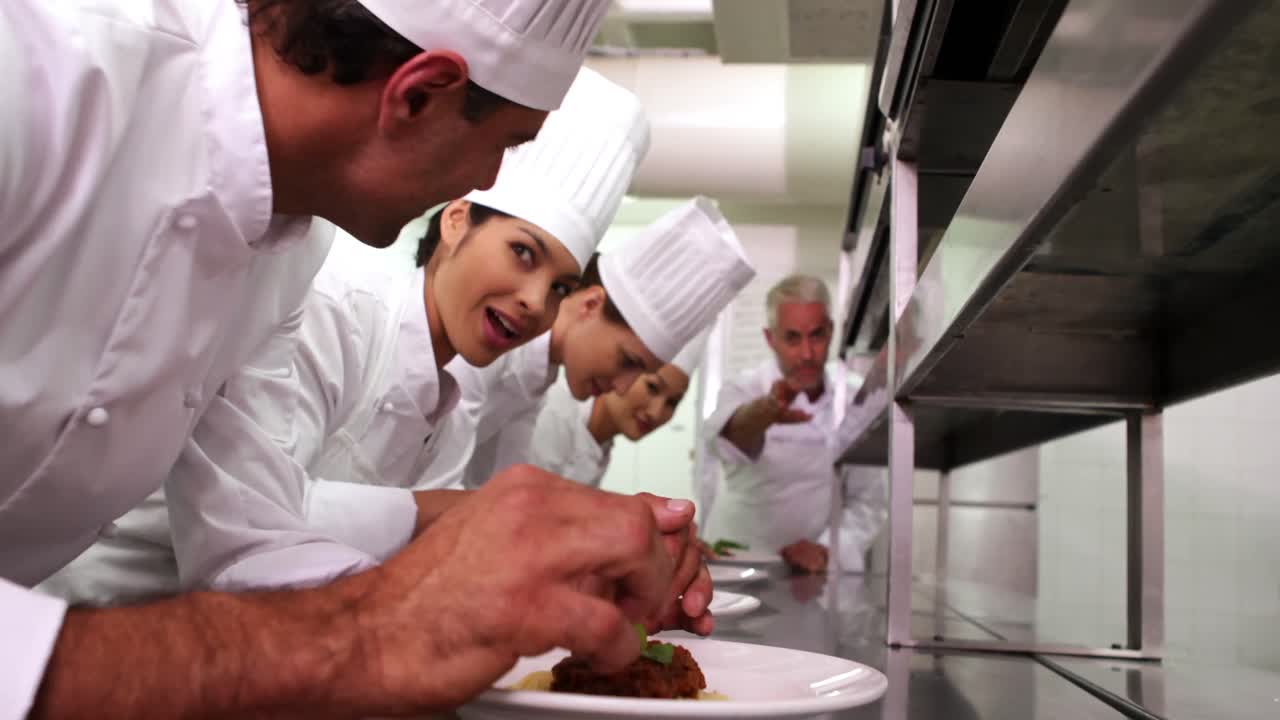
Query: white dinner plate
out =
(733, 574)
(725, 604)
(760, 682)
(748, 557)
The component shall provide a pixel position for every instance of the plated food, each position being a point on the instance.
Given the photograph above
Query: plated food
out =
(757, 681)
(663, 671)
(726, 548)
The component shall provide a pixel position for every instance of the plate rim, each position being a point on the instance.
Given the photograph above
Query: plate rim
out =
(761, 559)
(760, 574)
(753, 603)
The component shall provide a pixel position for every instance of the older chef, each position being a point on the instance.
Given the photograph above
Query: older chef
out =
(160, 167)
(659, 290)
(574, 438)
(355, 408)
(770, 432)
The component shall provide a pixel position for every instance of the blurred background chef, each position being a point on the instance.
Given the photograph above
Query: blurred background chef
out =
(574, 438)
(771, 434)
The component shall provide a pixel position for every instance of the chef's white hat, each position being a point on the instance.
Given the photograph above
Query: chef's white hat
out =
(690, 356)
(670, 281)
(571, 179)
(527, 51)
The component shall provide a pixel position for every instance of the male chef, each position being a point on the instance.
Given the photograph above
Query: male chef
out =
(168, 173)
(771, 433)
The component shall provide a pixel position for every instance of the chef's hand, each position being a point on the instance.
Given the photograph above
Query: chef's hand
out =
(708, 552)
(782, 395)
(691, 590)
(499, 577)
(806, 557)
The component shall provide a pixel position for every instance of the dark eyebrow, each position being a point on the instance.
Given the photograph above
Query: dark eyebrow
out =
(541, 245)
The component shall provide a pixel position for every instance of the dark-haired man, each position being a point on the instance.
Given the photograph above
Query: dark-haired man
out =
(162, 166)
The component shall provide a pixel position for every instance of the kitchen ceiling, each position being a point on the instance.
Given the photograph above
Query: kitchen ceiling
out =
(745, 31)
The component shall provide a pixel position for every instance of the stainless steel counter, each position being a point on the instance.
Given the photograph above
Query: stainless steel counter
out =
(847, 618)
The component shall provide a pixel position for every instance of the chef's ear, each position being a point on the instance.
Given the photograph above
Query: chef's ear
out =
(590, 301)
(423, 84)
(455, 220)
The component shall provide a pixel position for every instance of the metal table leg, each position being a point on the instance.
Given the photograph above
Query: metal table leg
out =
(1146, 533)
(903, 250)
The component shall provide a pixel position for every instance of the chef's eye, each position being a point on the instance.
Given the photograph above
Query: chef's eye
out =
(561, 289)
(653, 388)
(523, 253)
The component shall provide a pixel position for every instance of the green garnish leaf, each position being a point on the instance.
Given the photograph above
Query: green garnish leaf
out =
(641, 634)
(661, 653)
(722, 545)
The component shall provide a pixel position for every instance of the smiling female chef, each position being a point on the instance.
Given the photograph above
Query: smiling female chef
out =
(366, 394)
(663, 287)
(574, 438)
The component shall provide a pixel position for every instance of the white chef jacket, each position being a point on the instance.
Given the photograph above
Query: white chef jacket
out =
(562, 444)
(501, 403)
(306, 472)
(140, 264)
(785, 495)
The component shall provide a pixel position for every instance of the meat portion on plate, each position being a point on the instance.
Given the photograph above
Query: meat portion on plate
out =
(643, 678)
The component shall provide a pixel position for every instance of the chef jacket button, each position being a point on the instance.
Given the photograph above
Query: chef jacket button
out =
(388, 407)
(187, 222)
(97, 417)
(191, 400)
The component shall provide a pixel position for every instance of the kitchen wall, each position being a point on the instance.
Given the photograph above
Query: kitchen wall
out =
(1222, 534)
(1222, 530)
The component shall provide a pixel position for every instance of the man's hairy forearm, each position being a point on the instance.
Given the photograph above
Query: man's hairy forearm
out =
(747, 429)
(206, 654)
(434, 503)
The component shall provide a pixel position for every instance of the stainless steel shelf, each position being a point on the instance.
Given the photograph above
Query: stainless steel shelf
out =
(1120, 224)
(1071, 227)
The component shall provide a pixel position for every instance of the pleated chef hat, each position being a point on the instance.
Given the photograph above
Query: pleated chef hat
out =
(571, 179)
(672, 279)
(691, 354)
(527, 51)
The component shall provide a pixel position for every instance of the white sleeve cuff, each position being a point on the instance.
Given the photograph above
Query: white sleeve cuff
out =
(295, 566)
(29, 624)
(374, 519)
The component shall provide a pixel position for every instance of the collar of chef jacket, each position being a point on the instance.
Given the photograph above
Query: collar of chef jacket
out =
(237, 148)
(513, 384)
(434, 392)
